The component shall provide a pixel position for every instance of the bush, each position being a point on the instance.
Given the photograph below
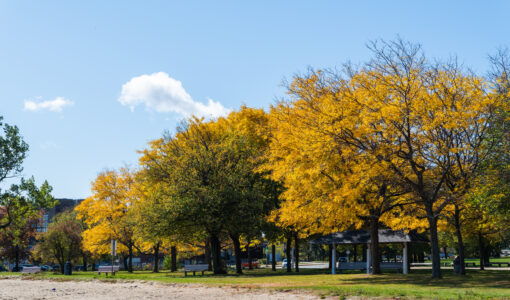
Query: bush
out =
(167, 262)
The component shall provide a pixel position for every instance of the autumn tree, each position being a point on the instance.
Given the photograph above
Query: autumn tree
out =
(106, 214)
(148, 232)
(252, 195)
(420, 124)
(434, 120)
(187, 169)
(206, 179)
(328, 185)
(482, 202)
(15, 239)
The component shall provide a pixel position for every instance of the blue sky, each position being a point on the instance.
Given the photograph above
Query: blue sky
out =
(90, 82)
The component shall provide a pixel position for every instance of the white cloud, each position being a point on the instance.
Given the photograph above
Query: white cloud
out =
(56, 104)
(162, 93)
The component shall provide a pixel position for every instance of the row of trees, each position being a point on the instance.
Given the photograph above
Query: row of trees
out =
(400, 142)
(397, 141)
(198, 188)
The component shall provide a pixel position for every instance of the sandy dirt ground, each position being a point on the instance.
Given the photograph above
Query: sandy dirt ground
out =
(15, 288)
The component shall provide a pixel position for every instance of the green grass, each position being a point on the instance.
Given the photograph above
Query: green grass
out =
(418, 284)
(474, 260)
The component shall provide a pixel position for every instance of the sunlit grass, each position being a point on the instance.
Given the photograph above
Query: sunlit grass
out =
(475, 260)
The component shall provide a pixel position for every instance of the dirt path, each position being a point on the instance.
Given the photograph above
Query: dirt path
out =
(15, 288)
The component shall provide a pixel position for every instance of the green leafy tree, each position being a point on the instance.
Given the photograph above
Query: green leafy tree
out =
(206, 180)
(21, 203)
(62, 242)
(23, 199)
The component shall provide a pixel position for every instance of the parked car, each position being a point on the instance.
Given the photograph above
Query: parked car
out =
(55, 268)
(254, 264)
(45, 267)
(342, 259)
(284, 263)
(20, 267)
(78, 268)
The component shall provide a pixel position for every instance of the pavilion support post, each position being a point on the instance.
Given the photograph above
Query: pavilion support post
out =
(368, 259)
(405, 261)
(333, 259)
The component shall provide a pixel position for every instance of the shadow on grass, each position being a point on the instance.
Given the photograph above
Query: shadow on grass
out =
(473, 279)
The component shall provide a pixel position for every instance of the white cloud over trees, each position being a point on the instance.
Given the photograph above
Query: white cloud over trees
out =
(161, 93)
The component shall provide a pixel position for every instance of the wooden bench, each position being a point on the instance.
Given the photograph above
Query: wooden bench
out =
(108, 269)
(195, 268)
(31, 270)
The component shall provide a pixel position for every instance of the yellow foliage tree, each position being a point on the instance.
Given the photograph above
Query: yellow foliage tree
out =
(401, 125)
(107, 216)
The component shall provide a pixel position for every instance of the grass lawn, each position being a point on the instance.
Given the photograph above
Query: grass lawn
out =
(418, 284)
(475, 260)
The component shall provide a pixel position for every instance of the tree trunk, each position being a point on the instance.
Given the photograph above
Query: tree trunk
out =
(208, 260)
(130, 263)
(409, 257)
(273, 255)
(355, 252)
(434, 245)
(16, 259)
(93, 265)
(481, 250)
(460, 242)
(237, 253)
(364, 254)
(330, 258)
(84, 259)
(218, 267)
(374, 246)
(125, 261)
(288, 253)
(248, 251)
(173, 257)
(296, 251)
(155, 267)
